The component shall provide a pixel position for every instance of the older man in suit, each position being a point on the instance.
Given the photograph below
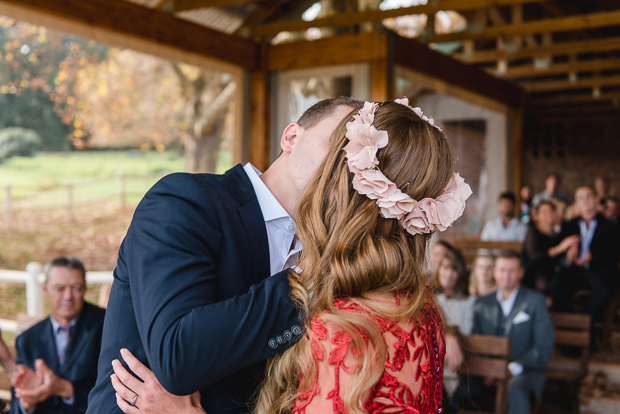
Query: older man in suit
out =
(520, 314)
(593, 264)
(57, 358)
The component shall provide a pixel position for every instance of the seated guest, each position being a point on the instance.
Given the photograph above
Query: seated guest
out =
(57, 358)
(543, 248)
(520, 314)
(593, 263)
(552, 183)
(526, 203)
(450, 281)
(611, 209)
(506, 227)
(437, 251)
(481, 281)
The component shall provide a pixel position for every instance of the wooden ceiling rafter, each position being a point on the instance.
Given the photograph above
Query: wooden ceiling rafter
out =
(560, 85)
(559, 68)
(573, 98)
(562, 24)
(120, 17)
(354, 18)
(562, 48)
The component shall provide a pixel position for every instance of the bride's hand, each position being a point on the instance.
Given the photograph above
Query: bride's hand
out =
(149, 397)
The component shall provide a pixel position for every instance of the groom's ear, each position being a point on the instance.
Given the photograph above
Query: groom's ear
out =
(289, 136)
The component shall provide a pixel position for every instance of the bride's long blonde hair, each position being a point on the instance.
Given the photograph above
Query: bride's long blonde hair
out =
(351, 250)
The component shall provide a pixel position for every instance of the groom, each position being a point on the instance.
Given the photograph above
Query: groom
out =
(192, 297)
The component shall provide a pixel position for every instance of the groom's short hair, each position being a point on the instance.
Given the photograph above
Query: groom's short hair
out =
(317, 112)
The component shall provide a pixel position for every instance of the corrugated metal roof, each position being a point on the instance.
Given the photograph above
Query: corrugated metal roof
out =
(224, 19)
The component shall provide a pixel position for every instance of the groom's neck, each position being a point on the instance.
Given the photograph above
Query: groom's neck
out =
(277, 181)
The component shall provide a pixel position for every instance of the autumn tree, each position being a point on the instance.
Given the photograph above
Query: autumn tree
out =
(38, 68)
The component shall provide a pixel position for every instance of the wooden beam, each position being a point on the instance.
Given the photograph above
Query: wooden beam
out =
(413, 55)
(559, 68)
(562, 24)
(183, 5)
(134, 21)
(259, 113)
(353, 18)
(558, 85)
(564, 48)
(570, 99)
(363, 47)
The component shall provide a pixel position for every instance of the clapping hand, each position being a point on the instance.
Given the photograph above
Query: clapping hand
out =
(145, 395)
(33, 387)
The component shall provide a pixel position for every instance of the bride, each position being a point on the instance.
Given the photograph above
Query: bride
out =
(374, 338)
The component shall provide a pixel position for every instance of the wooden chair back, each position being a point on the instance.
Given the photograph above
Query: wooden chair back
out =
(488, 356)
(470, 247)
(572, 329)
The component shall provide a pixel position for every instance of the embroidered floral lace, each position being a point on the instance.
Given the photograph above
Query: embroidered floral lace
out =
(412, 378)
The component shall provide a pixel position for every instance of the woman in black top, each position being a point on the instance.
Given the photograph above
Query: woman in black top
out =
(543, 248)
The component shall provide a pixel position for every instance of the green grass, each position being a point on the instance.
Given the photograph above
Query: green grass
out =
(28, 176)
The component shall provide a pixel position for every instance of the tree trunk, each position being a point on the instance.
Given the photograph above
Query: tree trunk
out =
(201, 153)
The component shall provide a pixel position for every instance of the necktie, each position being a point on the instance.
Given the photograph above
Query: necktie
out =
(64, 352)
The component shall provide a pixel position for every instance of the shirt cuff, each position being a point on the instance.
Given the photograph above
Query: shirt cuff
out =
(21, 407)
(515, 368)
(69, 401)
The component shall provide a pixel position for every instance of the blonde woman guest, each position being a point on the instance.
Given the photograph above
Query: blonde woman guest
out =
(481, 282)
(374, 338)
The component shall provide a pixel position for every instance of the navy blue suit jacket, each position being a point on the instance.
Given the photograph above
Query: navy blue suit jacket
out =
(192, 297)
(81, 367)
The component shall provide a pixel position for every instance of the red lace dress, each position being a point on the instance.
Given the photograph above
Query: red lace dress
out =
(413, 373)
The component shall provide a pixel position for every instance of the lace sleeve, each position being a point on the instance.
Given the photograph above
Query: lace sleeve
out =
(412, 378)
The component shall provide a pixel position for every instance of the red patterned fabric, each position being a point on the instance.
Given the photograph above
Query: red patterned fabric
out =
(412, 378)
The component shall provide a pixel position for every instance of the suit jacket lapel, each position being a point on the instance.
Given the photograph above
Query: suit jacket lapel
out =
(49, 353)
(253, 222)
(81, 331)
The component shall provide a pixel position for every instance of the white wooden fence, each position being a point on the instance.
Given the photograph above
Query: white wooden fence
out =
(33, 278)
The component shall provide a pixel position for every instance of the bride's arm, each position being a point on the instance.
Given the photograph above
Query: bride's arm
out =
(152, 398)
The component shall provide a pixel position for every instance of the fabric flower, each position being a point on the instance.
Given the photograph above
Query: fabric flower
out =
(373, 184)
(396, 205)
(364, 141)
(416, 222)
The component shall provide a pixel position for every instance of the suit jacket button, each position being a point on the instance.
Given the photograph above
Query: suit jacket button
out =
(287, 335)
(280, 340)
(296, 330)
(272, 343)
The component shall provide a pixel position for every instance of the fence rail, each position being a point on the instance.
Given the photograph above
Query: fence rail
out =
(33, 278)
(77, 193)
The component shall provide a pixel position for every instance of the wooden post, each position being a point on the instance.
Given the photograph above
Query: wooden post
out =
(121, 187)
(7, 204)
(34, 293)
(69, 201)
(259, 134)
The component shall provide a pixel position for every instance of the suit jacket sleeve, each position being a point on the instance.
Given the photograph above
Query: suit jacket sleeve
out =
(15, 409)
(539, 353)
(192, 339)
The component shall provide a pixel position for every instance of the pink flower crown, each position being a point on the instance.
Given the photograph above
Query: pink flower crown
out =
(417, 216)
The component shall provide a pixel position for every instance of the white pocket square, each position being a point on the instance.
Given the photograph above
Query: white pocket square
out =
(520, 318)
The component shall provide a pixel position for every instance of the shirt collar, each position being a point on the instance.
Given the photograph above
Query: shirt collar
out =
(269, 205)
(56, 324)
(508, 303)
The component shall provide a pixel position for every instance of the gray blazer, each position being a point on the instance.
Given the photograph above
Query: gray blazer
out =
(531, 339)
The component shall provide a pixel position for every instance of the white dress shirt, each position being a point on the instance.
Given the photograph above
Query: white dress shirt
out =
(507, 305)
(494, 230)
(284, 247)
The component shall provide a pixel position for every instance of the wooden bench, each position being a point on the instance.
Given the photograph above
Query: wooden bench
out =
(470, 246)
(571, 330)
(488, 356)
